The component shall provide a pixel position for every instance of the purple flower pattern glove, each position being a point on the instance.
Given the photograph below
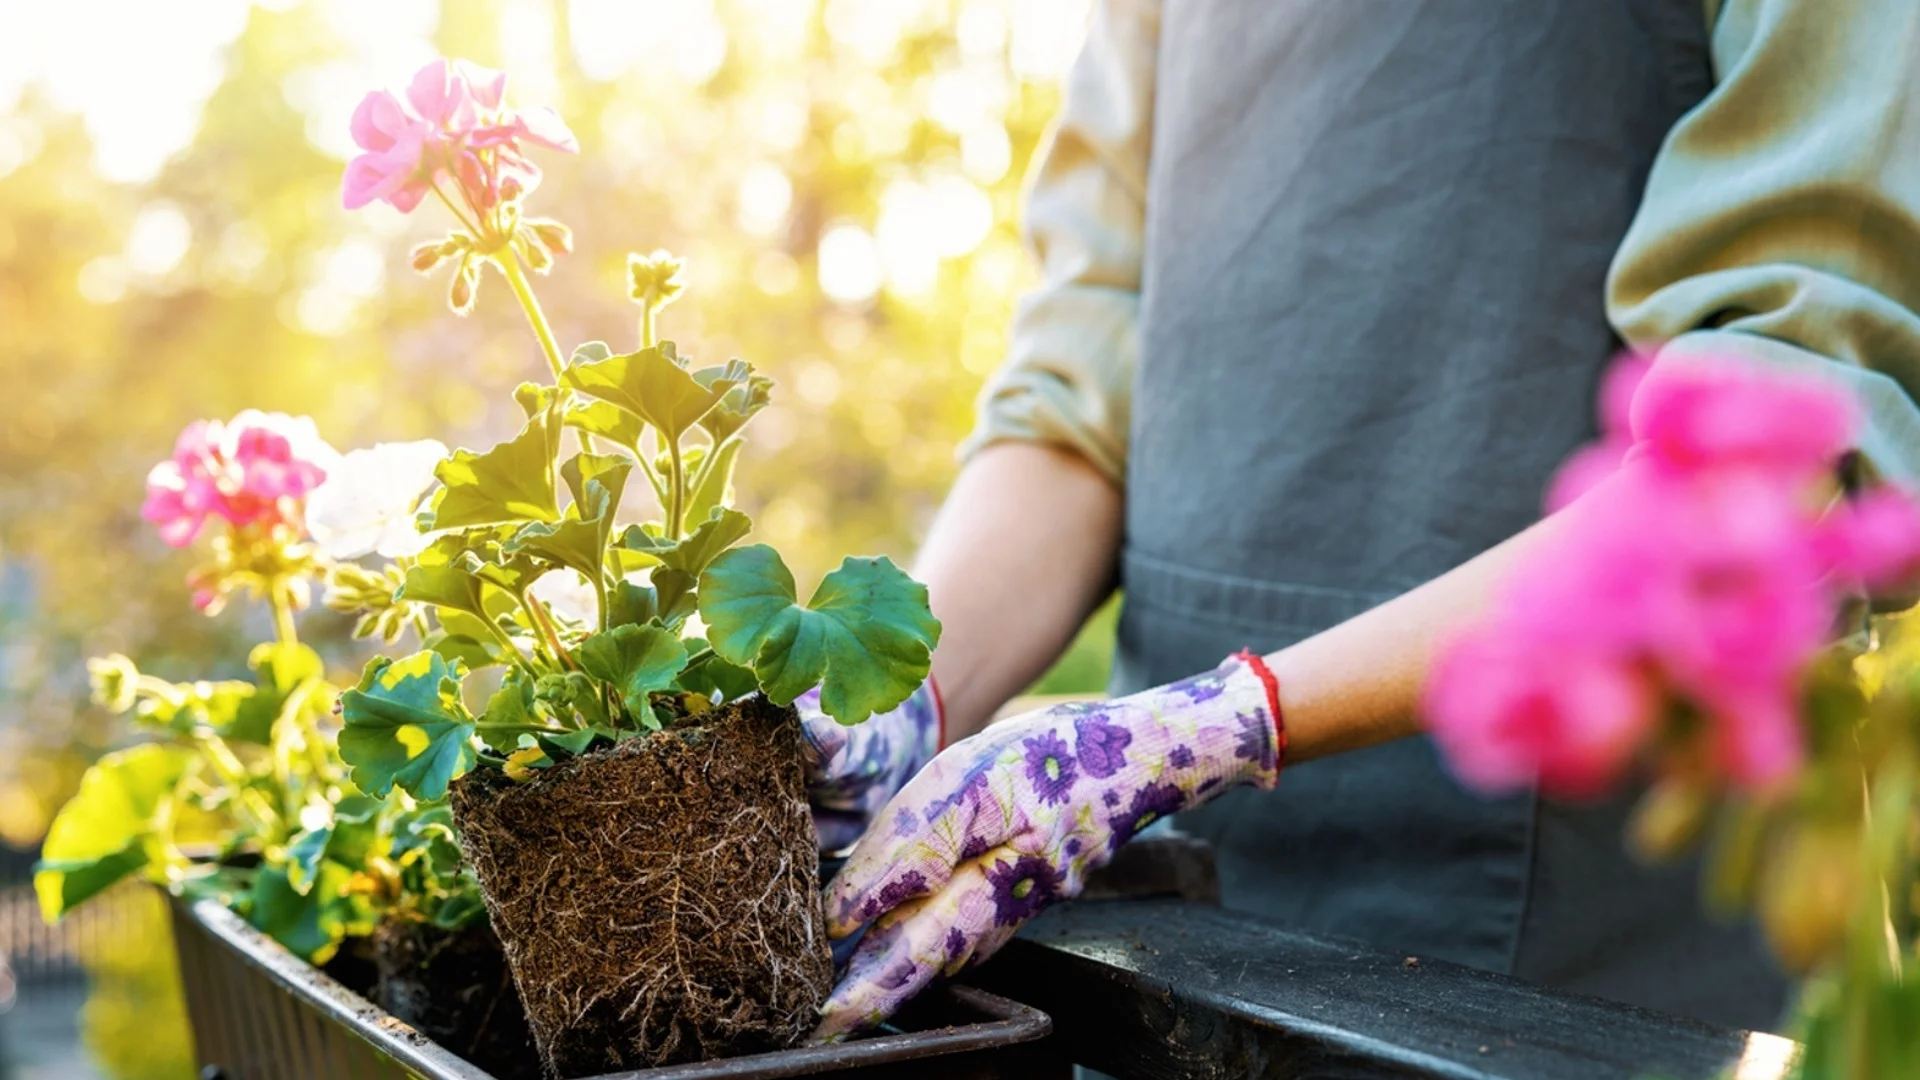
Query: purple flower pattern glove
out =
(853, 771)
(1005, 823)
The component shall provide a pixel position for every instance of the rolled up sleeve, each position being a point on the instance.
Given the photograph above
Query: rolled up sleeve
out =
(1068, 376)
(1781, 220)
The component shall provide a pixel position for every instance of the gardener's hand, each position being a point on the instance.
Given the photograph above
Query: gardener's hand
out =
(853, 771)
(1003, 824)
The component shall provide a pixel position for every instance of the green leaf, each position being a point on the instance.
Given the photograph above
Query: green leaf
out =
(513, 703)
(511, 482)
(580, 541)
(311, 924)
(699, 548)
(279, 669)
(583, 471)
(636, 660)
(195, 707)
(714, 675)
(715, 482)
(865, 638)
(674, 592)
(460, 910)
(574, 698)
(589, 353)
(608, 421)
(534, 398)
(482, 552)
(650, 384)
(630, 604)
(572, 743)
(303, 858)
(105, 832)
(405, 725)
(445, 587)
(747, 394)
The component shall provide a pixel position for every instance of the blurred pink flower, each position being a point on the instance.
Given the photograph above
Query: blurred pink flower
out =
(1874, 539)
(252, 470)
(1722, 413)
(1509, 711)
(453, 125)
(1698, 565)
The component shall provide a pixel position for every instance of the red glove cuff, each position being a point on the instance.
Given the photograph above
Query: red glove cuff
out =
(1267, 679)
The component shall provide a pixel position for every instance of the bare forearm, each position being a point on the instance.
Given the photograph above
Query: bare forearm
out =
(1023, 550)
(1359, 683)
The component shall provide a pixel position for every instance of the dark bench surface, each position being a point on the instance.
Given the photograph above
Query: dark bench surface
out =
(1164, 988)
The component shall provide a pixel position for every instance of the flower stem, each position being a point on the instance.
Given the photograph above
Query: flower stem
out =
(545, 625)
(649, 336)
(458, 215)
(509, 265)
(676, 488)
(280, 599)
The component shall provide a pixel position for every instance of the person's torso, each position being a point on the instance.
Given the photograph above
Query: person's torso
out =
(1371, 326)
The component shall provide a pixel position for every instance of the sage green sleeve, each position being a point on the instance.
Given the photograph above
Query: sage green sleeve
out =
(1781, 220)
(1068, 375)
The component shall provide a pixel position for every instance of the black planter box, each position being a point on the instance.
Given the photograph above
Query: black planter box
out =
(260, 1013)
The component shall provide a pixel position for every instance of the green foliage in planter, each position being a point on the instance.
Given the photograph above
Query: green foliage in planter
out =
(631, 661)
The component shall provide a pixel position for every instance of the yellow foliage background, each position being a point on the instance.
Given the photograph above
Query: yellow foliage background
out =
(842, 175)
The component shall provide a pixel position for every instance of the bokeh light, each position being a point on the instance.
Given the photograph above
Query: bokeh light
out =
(842, 175)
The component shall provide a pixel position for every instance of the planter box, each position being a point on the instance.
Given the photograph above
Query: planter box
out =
(260, 1013)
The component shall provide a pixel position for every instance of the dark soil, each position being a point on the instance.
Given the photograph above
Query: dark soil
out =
(659, 900)
(454, 987)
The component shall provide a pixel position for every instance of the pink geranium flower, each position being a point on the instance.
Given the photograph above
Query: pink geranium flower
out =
(1702, 564)
(452, 126)
(1509, 711)
(254, 470)
(1725, 413)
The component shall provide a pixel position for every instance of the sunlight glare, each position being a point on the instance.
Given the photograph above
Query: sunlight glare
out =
(158, 239)
(849, 264)
(139, 90)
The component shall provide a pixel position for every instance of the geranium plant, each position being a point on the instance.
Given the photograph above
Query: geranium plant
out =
(240, 795)
(1698, 625)
(607, 701)
(503, 520)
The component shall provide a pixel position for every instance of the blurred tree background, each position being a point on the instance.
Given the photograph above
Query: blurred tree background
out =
(842, 175)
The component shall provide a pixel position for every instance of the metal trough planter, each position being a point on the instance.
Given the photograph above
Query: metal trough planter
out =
(260, 1013)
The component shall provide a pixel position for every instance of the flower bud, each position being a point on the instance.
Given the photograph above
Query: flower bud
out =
(465, 284)
(557, 237)
(114, 678)
(536, 255)
(426, 256)
(654, 280)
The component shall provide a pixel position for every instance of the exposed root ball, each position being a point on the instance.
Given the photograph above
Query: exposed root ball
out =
(659, 901)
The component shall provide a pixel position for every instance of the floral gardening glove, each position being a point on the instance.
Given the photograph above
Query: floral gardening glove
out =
(853, 771)
(1005, 823)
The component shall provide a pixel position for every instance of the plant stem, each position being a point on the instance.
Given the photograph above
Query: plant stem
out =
(458, 214)
(509, 264)
(280, 599)
(546, 627)
(649, 311)
(677, 488)
(503, 725)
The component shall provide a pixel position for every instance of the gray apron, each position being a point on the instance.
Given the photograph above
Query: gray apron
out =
(1371, 326)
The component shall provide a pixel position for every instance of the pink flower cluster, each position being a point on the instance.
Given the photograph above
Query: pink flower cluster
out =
(1697, 561)
(453, 125)
(253, 471)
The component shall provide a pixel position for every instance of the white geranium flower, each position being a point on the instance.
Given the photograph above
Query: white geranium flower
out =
(568, 594)
(367, 503)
